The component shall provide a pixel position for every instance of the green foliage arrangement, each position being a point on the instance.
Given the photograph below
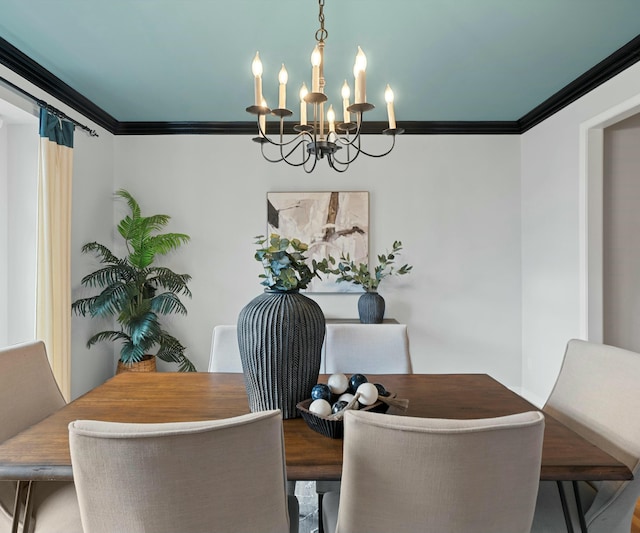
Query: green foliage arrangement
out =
(129, 289)
(359, 274)
(284, 263)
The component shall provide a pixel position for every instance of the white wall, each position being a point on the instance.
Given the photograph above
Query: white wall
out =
(552, 264)
(21, 244)
(621, 257)
(452, 200)
(4, 236)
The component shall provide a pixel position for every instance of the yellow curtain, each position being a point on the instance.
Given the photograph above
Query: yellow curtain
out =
(53, 290)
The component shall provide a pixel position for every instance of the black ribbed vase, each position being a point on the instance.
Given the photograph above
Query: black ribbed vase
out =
(371, 308)
(280, 335)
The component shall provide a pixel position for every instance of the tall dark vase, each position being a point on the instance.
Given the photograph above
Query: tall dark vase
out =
(280, 335)
(371, 308)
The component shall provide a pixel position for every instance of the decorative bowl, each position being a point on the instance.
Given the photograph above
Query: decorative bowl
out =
(329, 427)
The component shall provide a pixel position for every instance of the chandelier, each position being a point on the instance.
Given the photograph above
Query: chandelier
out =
(319, 137)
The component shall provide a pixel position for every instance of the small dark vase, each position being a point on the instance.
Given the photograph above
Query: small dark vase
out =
(280, 335)
(371, 308)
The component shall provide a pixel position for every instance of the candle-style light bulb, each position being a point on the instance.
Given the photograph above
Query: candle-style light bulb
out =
(256, 68)
(331, 118)
(303, 104)
(316, 59)
(359, 72)
(346, 93)
(388, 96)
(263, 119)
(283, 77)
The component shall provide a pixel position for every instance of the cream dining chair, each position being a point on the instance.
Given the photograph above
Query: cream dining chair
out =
(218, 476)
(418, 475)
(225, 352)
(364, 349)
(597, 394)
(28, 394)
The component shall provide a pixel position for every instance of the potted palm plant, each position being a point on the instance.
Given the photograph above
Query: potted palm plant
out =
(137, 292)
(371, 305)
(280, 332)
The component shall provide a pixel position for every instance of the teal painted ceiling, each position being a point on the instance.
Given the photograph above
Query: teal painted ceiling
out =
(446, 60)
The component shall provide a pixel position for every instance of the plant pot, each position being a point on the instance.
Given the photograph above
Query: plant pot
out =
(371, 308)
(280, 336)
(147, 364)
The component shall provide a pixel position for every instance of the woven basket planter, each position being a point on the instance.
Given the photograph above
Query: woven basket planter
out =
(280, 335)
(148, 364)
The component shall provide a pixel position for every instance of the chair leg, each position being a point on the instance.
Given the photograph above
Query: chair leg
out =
(17, 506)
(28, 505)
(320, 525)
(565, 507)
(576, 492)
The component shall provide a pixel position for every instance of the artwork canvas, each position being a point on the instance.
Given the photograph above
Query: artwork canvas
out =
(331, 223)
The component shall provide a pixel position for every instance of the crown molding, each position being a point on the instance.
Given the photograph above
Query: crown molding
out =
(34, 73)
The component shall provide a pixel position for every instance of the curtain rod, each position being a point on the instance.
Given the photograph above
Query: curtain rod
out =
(50, 108)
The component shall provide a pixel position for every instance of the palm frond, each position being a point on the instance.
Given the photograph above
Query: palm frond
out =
(83, 306)
(107, 336)
(143, 327)
(166, 303)
(108, 275)
(133, 205)
(111, 300)
(172, 351)
(105, 255)
(166, 242)
(167, 279)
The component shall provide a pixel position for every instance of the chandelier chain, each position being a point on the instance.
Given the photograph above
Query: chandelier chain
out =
(321, 33)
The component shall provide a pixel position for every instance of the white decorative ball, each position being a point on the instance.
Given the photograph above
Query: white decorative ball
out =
(347, 397)
(338, 383)
(320, 407)
(368, 394)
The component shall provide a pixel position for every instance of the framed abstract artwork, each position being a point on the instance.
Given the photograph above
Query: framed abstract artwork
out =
(332, 223)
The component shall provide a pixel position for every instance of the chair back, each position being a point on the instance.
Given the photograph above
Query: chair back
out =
(220, 476)
(28, 390)
(225, 352)
(597, 394)
(367, 348)
(406, 474)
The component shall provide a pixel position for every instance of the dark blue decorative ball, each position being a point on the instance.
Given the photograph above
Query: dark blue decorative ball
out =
(381, 390)
(338, 406)
(355, 381)
(321, 392)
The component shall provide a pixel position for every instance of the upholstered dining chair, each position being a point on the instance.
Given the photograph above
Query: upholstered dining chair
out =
(219, 476)
(364, 349)
(410, 475)
(225, 357)
(225, 352)
(597, 394)
(28, 394)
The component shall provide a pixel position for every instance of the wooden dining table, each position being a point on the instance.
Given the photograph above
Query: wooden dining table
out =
(41, 452)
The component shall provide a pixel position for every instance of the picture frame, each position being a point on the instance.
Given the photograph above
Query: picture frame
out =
(331, 223)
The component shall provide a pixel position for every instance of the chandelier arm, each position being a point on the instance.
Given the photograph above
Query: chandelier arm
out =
(382, 154)
(283, 157)
(332, 160)
(315, 162)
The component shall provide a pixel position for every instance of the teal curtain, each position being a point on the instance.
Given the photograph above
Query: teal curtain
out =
(56, 129)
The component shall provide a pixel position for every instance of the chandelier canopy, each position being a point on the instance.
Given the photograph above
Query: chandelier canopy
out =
(319, 137)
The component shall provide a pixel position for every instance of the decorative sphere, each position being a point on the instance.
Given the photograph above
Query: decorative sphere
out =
(338, 383)
(320, 407)
(368, 394)
(338, 406)
(347, 397)
(321, 392)
(381, 390)
(355, 381)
